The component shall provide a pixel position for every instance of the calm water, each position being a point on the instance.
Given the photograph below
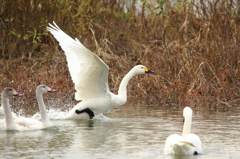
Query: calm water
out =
(131, 132)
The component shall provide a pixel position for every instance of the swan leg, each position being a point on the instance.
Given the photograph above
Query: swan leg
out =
(86, 110)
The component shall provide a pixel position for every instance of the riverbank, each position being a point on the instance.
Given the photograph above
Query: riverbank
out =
(196, 60)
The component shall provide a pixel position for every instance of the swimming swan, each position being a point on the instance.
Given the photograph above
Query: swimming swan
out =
(188, 143)
(25, 123)
(30, 123)
(8, 123)
(90, 76)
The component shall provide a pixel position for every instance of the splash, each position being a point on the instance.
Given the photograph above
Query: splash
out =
(52, 114)
(56, 114)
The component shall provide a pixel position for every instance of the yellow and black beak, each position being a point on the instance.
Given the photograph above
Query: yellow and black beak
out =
(147, 70)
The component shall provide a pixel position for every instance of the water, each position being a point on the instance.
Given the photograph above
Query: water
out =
(130, 132)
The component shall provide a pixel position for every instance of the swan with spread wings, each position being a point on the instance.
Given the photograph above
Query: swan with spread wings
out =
(90, 76)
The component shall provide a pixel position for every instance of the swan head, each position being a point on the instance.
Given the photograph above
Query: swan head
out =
(140, 69)
(44, 89)
(187, 112)
(8, 92)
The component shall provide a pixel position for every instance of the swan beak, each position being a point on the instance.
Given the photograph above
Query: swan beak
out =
(52, 90)
(17, 94)
(147, 70)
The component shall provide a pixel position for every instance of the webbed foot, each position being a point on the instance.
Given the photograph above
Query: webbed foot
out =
(86, 110)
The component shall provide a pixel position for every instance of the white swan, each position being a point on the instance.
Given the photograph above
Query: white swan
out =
(8, 123)
(188, 143)
(26, 123)
(31, 123)
(90, 76)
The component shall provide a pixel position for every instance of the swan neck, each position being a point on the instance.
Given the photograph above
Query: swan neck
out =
(187, 125)
(122, 91)
(10, 125)
(42, 108)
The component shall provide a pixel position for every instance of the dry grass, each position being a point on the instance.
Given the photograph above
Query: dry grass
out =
(196, 60)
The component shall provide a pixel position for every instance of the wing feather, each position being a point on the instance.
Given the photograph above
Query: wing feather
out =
(88, 72)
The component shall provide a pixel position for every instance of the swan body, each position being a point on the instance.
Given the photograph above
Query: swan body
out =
(97, 105)
(45, 121)
(90, 76)
(188, 143)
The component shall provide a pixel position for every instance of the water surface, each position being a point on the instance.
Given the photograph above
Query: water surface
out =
(130, 132)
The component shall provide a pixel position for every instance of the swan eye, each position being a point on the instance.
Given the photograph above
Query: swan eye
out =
(183, 120)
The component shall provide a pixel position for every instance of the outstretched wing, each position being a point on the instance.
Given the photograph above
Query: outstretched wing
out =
(88, 72)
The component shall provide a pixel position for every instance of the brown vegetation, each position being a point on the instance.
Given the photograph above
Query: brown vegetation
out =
(196, 59)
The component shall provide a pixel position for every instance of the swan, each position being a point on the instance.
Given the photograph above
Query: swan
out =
(8, 123)
(22, 123)
(31, 123)
(188, 143)
(90, 76)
